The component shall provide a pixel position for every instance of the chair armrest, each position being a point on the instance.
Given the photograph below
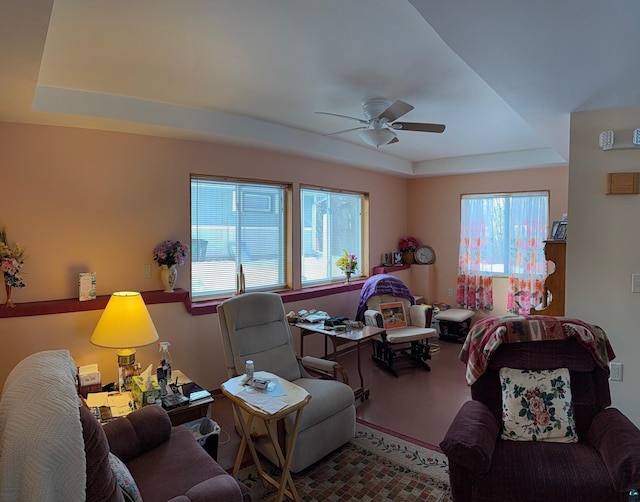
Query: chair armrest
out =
(471, 438)
(618, 442)
(420, 316)
(373, 318)
(323, 367)
(140, 431)
(223, 488)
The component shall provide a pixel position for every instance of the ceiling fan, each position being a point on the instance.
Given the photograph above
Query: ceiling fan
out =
(379, 126)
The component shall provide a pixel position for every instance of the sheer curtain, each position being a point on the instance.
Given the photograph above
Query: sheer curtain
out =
(475, 283)
(527, 265)
(502, 234)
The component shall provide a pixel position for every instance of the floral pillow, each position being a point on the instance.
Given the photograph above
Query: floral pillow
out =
(537, 405)
(125, 480)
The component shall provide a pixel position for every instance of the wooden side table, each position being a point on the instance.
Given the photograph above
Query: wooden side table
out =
(295, 400)
(192, 411)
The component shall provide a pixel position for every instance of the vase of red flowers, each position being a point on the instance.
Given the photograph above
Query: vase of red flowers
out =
(408, 245)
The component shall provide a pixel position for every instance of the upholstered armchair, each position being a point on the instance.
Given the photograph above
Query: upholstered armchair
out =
(539, 426)
(254, 326)
(388, 304)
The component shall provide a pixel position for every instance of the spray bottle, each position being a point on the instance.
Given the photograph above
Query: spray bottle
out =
(165, 359)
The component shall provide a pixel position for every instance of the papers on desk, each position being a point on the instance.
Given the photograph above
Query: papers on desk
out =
(121, 404)
(265, 400)
(261, 401)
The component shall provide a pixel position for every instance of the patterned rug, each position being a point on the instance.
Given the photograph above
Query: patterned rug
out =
(374, 466)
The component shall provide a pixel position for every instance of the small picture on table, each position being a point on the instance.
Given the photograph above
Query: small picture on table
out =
(397, 258)
(559, 231)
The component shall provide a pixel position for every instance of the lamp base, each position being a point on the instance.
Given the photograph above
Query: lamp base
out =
(126, 368)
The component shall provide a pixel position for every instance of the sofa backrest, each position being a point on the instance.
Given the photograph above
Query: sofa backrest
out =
(589, 382)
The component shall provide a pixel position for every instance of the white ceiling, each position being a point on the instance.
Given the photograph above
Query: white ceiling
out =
(502, 75)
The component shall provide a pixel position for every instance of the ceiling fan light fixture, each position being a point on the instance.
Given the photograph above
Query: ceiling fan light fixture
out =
(377, 137)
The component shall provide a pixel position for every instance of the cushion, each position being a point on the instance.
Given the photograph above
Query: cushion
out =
(125, 479)
(537, 405)
(393, 315)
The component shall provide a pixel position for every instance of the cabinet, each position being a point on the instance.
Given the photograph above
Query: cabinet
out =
(553, 292)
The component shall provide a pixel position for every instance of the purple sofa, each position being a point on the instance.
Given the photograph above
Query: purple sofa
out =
(602, 466)
(166, 462)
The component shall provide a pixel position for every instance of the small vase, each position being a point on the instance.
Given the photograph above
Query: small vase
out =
(407, 257)
(348, 276)
(9, 304)
(168, 276)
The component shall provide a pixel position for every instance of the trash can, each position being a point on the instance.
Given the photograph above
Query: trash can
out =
(207, 433)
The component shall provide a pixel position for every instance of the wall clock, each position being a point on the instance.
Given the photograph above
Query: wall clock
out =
(424, 255)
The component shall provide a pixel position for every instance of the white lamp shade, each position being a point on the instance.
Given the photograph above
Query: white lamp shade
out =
(125, 323)
(377, 136)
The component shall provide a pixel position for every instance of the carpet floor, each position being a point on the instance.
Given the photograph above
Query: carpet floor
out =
(374, 466)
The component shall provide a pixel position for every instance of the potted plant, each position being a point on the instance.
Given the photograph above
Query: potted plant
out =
(408, 245)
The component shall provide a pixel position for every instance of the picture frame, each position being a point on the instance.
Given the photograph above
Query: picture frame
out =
(554, 229)
(393, 315)
(559, 231)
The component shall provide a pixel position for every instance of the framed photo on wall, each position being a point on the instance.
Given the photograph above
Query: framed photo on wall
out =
(559, 231)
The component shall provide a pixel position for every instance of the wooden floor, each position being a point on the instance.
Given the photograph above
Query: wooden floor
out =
(420, 404)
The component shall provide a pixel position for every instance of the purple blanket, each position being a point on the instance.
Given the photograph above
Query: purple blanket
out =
(382, 284)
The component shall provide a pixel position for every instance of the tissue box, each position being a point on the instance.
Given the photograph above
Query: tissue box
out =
(89, 379)
(141, 392)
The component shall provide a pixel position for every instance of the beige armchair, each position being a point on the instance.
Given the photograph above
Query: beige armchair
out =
(254, 326)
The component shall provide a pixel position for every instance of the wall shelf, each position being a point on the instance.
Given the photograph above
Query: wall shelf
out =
(383, 269)
(74, 305)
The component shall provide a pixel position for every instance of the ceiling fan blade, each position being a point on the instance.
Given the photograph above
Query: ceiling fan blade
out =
(395, 111)
(362, 121)
(345, 130)
(418, 126)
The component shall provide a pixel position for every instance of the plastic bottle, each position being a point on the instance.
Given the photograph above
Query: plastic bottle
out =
(249, 368)
(165, 359)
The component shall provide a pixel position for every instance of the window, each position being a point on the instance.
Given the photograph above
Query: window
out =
(237, 223)
(332, 222)
(503, 234)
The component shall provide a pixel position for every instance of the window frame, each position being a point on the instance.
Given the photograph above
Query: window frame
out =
(506, 217)
(362, 254)
(286, 224)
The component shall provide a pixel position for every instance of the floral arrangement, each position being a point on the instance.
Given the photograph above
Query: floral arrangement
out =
(171, 253)
(11, 261)
(347, 262)
(408, 244)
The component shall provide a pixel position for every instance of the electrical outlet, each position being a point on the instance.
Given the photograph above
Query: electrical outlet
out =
(146, 271)
(616, 372)
(450, 292)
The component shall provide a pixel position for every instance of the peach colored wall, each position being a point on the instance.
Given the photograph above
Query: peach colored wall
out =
(434, 217)
(82, 200)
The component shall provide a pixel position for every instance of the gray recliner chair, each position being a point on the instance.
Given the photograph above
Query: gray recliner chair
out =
(254, 326)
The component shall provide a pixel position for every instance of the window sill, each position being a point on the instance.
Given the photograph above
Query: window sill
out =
(292, 295)
(69, 305)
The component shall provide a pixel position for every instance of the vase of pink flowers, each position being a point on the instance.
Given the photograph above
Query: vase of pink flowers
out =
(169, 254)
(11, 261)
(408, 245)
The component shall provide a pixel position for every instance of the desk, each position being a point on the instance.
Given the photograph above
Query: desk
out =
(295, 400)
(339, 338)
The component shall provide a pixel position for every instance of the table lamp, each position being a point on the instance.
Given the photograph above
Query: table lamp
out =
(124, 325)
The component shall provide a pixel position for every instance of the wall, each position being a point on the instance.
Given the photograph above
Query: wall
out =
(434, 217)
(82, 200)
(603, 245)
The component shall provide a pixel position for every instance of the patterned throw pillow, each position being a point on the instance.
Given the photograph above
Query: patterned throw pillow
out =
(125, 480)
(537, 405)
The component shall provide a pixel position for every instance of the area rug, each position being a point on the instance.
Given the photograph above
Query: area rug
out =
(374, 466)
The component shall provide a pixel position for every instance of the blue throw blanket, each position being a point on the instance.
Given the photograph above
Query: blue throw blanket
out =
(382, 284)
